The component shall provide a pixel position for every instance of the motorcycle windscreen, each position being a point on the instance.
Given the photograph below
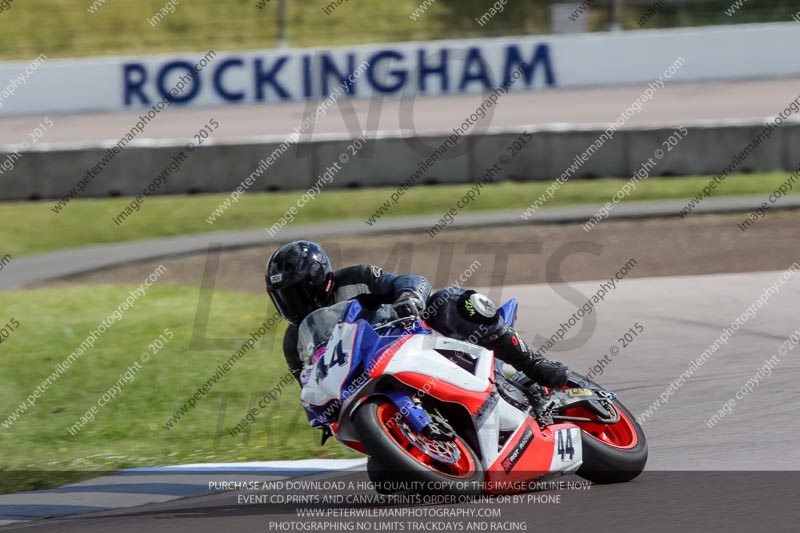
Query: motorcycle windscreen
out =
(315, 330)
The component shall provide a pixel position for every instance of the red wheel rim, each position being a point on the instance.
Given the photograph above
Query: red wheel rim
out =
(621, 435)
(449, 458)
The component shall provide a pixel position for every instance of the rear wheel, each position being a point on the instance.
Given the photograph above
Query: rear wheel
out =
(612, 453)
(411, 459)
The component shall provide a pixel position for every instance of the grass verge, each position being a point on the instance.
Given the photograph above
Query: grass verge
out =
(38, 451)
(65, 28)
(32, 227)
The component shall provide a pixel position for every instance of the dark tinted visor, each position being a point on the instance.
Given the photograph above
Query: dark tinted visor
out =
(294, 301)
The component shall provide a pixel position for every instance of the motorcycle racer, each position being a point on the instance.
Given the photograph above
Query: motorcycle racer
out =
(300, 279)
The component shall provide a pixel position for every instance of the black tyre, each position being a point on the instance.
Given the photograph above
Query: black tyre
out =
(613, 453)
(411, 461)
(379, 475)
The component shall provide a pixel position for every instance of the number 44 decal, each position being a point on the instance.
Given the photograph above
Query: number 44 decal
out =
(564, 444)
(339, 358)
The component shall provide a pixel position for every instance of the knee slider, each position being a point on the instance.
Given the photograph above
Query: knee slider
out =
(456, 312)
(477, 308)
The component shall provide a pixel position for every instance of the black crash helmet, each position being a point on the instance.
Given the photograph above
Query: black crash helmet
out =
(299, 279)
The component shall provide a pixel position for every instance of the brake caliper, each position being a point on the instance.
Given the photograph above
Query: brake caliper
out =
(439, 428)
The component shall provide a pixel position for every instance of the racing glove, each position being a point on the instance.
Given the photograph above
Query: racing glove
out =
(409, 304)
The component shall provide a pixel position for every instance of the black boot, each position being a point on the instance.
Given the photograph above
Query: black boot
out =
(509, 347)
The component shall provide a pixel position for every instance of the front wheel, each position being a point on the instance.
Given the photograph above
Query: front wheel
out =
(411, 459)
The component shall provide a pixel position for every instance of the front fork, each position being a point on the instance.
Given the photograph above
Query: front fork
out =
(412, 411)
(433, 426)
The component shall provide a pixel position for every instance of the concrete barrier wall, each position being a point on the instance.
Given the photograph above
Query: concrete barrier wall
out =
(52, 171)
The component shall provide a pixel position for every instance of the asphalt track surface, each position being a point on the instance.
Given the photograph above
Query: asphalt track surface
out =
(674, 104)
(741, 474)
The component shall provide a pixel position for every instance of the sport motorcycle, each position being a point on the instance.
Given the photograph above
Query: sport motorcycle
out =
(445, 415)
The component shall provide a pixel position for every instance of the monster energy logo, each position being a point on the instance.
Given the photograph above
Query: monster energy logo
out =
(470, 307)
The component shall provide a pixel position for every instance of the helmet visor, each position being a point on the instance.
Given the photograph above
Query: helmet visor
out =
(294, 301)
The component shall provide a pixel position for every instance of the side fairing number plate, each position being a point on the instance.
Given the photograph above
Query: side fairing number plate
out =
(567, 452)
(329, 374)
